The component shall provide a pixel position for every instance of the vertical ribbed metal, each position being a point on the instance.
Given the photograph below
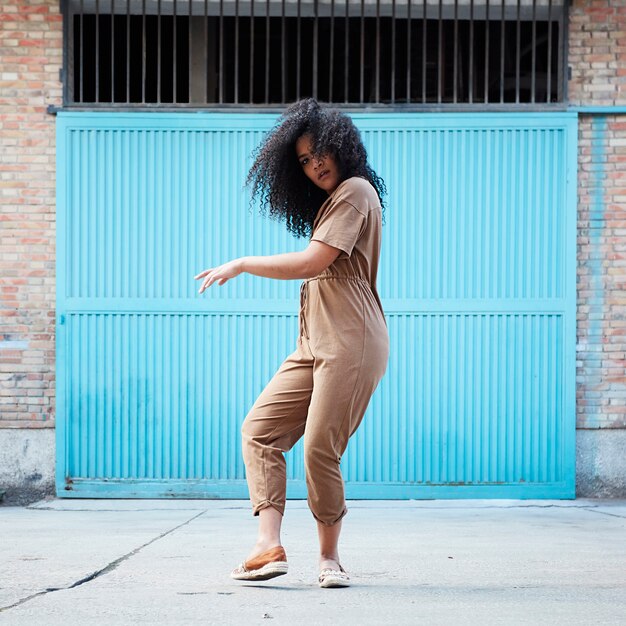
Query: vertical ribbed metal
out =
(477, 278)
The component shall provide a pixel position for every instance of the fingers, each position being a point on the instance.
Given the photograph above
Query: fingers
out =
(210, 276)
(207, 281)
(210, 280)
(201, 274)
(205, 284)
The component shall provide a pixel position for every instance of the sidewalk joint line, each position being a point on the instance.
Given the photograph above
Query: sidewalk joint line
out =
(107, 568)
(593, 510)
(51, 508)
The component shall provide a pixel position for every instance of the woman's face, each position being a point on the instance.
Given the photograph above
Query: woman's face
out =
(323, 171)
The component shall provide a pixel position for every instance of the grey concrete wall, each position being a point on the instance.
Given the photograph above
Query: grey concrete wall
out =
(601, 463)
(27, 458)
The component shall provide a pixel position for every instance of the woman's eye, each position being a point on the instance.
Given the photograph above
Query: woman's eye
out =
(304, 162)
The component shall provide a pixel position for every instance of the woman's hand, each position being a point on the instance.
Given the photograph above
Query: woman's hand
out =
(221, 273)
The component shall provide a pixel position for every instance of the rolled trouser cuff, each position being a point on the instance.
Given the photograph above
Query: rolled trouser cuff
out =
(331, 522)
(265, 503)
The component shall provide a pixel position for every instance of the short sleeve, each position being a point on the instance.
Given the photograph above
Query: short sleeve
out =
(341, 226)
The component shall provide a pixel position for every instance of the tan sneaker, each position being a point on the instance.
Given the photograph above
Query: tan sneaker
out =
(269, 564)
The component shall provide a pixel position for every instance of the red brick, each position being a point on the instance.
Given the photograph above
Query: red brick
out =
(30, 49)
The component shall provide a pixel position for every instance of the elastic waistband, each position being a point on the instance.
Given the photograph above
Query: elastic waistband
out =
(303, 296)
(342, 277)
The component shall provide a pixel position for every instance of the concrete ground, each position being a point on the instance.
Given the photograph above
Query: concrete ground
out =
(411, 562)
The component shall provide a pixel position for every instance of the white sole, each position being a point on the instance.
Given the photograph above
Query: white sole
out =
(271, 570)
(334, 581)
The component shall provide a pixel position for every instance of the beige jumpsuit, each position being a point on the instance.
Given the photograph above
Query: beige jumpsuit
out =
(323, 388)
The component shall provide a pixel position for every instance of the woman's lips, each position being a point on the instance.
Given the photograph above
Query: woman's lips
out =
(324, 173)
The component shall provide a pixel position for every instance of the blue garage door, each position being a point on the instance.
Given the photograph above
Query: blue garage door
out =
(477, 279)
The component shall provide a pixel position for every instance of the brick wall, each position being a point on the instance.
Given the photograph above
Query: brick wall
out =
(601, 301)
(597, 56)
(597, 52)
(30, 58)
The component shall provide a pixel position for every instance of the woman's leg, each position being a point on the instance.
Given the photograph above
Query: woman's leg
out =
(269, 531)
(329, 540)
(339, 401)
(273, 426)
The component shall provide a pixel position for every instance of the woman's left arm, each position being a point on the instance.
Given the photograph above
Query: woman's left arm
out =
(286, 266)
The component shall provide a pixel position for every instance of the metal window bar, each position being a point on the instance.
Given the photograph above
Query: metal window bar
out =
(424, 42)
(112, 50)
(97, 51)
(502, 22)
(416, 51)
(517, 53)
(346, 51)
(127, 53)
(393, 53)
(549, 61)
(190, 64)
(533, 48)
(174, 44)
(283, 52)
(207, 39)
(455, 61)
(251, 61)
(331, 64)
(143, 52)
(408, 52)
(377, 51)
(562, 84)
(268, 60)
(299, 56)
(315, 48)
(470, 79)
(158, 53)
(487, 29)
(82, 39)
(236, 82)
(362, 63)
(220, 54)
(440, 52)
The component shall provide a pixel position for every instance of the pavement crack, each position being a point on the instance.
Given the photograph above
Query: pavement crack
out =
(593, 510)
(150, 509)
(105, 570)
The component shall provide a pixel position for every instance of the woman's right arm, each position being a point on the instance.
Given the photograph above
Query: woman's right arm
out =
(292, 265)
(288, 265)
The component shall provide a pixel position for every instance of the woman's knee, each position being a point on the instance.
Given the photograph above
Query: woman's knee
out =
(320, 451)
(250, 430)
(245, 426)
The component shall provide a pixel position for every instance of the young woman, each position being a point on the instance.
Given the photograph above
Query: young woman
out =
(312, 171)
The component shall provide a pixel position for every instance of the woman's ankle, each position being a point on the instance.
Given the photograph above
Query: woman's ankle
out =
(326, 556)
(267, 542)
(259, 548)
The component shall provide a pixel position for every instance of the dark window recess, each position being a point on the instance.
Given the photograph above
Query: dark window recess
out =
(121, 74)
(379, 54)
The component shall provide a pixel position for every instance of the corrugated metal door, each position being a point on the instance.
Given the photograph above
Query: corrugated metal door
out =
(477, 279)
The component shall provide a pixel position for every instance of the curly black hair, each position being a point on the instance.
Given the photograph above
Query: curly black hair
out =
(276, 175)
